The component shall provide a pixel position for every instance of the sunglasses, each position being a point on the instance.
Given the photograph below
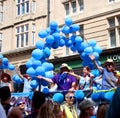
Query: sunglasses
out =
(70, 97)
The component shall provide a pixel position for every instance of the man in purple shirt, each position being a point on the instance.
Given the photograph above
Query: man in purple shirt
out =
(64, 80)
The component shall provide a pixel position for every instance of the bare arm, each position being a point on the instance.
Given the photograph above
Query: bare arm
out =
(92, 57)
(19, 73)
(44, 78)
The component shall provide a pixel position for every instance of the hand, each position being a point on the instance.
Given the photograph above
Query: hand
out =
(92, 57)
(39, 77)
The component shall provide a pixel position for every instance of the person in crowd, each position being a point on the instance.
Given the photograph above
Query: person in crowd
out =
(86, 108)
(50, 110)
(113, 110)
(85, 80)
(15, 113)
(5, 81)
(2, 112)
(5, 96)
(109, 80)
(63, 80)
(102, 109)
(21, 105)
(27, 80)
(38, 100)
(68, 108)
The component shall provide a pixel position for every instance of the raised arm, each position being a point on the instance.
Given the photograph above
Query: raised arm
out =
(92, 57)
(19, 73)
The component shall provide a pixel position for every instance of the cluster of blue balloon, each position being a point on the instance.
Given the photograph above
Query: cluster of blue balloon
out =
(37, 64)
(5, 63)
(59, 97)
(99, 96)
(66, 36)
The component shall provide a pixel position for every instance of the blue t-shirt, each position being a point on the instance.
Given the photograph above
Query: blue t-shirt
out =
(106, 76)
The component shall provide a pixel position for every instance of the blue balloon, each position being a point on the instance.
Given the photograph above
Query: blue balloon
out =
(46, 52)
(45, 91)
(44, 83)
(11, 67)
(1, 56)
(53, 25)
(79, 95)
(5, 61)
(65, 30)
(74, 28)
(36, 63)
(30, 71)
(42, 34)
(49, 74)
(34, 84)
(17, 79)
(68, 21)
(61, 43)
(37, 54)
(39, 44)
(88, 50)
(83, 45)
(73, 48)
(95, 96)
(68, 43)
(92, 43)
(29, 63)
(56, 36)
(48, 66)
(40, 70)
(109, 96)
(58, 97)
(78, 40)
(49, 39)
(97, 49)
(96, 54)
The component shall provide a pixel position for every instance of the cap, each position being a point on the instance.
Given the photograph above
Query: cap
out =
(6, 75)
(109, 60)
(86, 104)
(64, 65)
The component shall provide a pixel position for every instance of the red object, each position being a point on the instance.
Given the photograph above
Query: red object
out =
(6, 75)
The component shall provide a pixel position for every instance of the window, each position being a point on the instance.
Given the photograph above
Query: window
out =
(74, 6)
(114, 31)
(67, 9)
(111, 0)
(33, 7)
(22, 35)
(33, 34)
(81, 5)
(0, 42)
(22, 7)
(1, 12)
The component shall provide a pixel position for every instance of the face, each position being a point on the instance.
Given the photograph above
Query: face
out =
(85, 71)
(70, 98)
(90, 111)
(22, 106)
(5, 79)
(64, 69)
(110, 68)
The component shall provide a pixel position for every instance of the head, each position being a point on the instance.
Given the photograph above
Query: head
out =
(70, 98)
(5, 77)
(87, 108)
(21, 105)
(15, 113)
(86, 70)
(5, 94)
(102, 109)
(38, 100)
(46, 110)
(109, 64)
(64, 67)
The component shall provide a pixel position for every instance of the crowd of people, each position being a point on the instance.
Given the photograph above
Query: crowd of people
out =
(43, 106)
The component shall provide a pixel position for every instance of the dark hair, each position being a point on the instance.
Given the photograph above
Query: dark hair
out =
(102, 109)
(5, 93)
(87, 68)
(38, 99)
(83, 114)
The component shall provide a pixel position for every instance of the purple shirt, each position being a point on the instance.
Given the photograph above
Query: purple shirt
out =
(66, 84)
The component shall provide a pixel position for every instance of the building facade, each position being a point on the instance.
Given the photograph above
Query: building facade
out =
(21, 20)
